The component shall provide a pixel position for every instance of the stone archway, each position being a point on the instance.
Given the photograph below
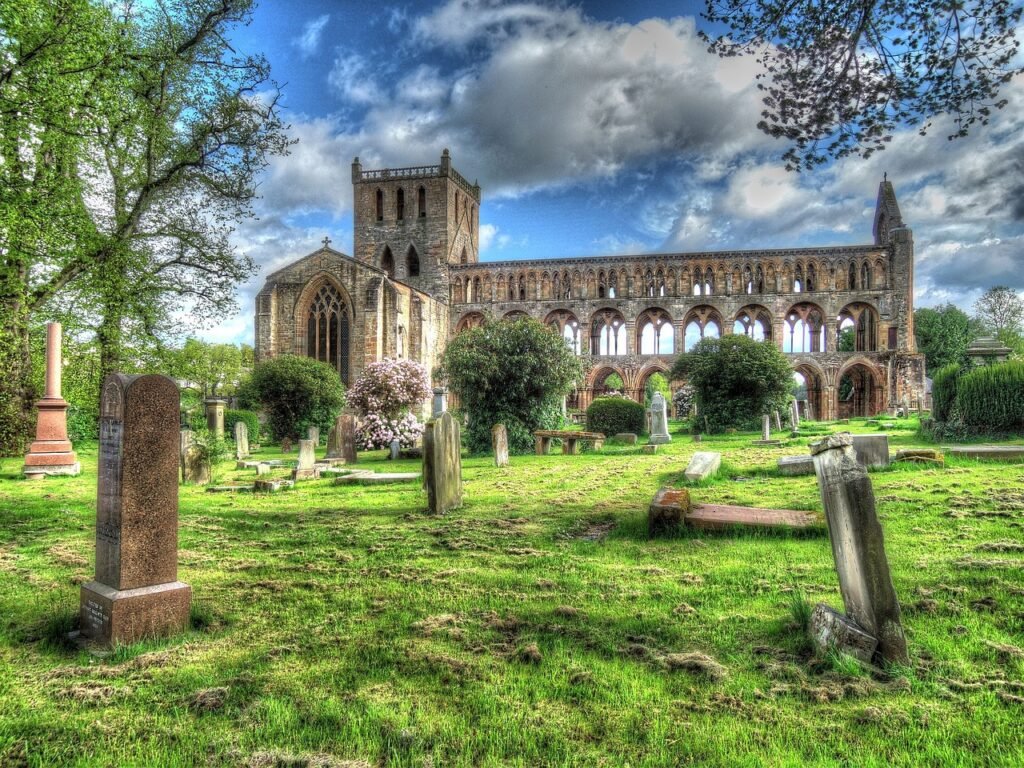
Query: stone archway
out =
(859, 391)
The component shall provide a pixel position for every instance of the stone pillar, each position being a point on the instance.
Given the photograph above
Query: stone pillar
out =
(215, 416)
(766, 428)
(50, 453)
(858, 545)
(440, 403)
(136, 592)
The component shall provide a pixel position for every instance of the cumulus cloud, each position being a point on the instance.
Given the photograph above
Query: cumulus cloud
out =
(312, 31)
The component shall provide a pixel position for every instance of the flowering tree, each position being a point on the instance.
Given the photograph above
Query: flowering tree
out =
(383, 395)
(682, 400)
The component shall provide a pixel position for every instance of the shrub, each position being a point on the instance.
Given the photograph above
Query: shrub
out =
(736, 379)
(383, 394)
(297, 393)
(682, 401)
(512, 372)
(944, 385)
(252, 421)
(991, 397)
(376, 431)
(612, 415)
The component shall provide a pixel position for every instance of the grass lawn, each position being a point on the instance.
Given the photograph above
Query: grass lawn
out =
(537, 625)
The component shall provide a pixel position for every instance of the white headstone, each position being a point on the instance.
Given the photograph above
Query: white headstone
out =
(659, 421)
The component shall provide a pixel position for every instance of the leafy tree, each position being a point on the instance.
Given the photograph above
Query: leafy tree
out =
(847, 340)
(943, 335)
(614, 382)
(509, 372)
(1000, 309)
(656, 382)
(297, 393)
(841, 77)
(736, 379)
(215, 369)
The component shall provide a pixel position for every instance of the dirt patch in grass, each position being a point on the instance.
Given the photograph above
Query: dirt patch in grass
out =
(65, 555)
(278, 759)
(209, 699)
(697, 663)
(1000, 546)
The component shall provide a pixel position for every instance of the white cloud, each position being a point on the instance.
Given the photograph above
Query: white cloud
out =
(312, 31)
(353, 79)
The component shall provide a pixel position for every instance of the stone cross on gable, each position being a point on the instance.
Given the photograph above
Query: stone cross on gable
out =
(326, 241)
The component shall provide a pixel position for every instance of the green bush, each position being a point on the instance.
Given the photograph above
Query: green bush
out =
(944, 386)
(252, 421)
(612, 415)
(297, 393)
(992, 397)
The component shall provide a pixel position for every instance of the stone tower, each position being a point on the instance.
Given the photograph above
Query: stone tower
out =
(414, 223)
(890, 231)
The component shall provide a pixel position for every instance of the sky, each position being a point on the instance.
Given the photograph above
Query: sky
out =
(597, 128)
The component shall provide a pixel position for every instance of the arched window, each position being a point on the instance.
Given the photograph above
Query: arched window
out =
(421, 202)
(748, 280)
(608, 333)
(387, 262)
(865, 277)
(857, 329)
(380, 205)
(759, 280)
(476, 289)
(522, 288)
(613, 284)
(412, 262)
(602, 286)
(400, 203)
(464, 258)
(649, 283)
(754, 322)
(798, 279)
(806, 329)
(812, 278)
(659, 278)
(709, 282)
(567, 326)
(701, 323)
(853, 277)
(566, 286)
(656, 333)
(327, 330)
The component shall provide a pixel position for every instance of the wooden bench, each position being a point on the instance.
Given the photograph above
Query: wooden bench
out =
(542, 440)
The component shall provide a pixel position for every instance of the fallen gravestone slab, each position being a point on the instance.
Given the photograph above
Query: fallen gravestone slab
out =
(723, 516)
(377, 478)
(271, 486)
(667, 510)
(988, 452)
(830, 630)
(919, 456)
(792, 466)
(230, 488)
(703, 464)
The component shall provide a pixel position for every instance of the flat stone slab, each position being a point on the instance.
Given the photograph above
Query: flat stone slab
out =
(377, 478)
(247, 464)
(988, 452)
(703, 464)
(230, 489)
(719, 516)
(792, 466)
(920, 456)
(270, 486)
(766, 442)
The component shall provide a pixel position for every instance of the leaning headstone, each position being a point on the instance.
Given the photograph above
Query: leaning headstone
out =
(395, 449)
(215, 416)
(341, 442)
(136, 592)
(794, 416)
(313, 434)
(196, 468)
(307, 459)
(499, 443)
(50, 453)
(858, 545)
(442, 464)
(241, 440)
(778, 422)
(703, 464)
(872, 450)
(439, 404)
(659, 421)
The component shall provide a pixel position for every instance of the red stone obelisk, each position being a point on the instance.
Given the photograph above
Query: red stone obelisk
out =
(51, 452)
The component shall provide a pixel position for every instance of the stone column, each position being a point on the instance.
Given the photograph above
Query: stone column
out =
(858, 545)
(50, 453)
(215, 416)
(136, 592)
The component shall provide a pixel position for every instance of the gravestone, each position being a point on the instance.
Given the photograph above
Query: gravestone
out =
(395, 449)
(659, 421)
(792, 466)
(286, 445)
(241, 440)
(313, 434)
(195, 465)
(442, 464)
(439, 404)
(766, 428)
(306, 468)
(778, 422)
(50, 453)
(703, 464)
(872, 450)
(499, 443)
(667, 511)
(184, 441)
(215, 416)
(341, 442)
(136, 592)
(629, 438)
(794, 416)
(858, 545)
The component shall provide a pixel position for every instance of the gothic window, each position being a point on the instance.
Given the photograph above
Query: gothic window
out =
(380, 205)
(613, 284)
(660, 282)
(798, 279)
(464, 258)
(566, 286)
(608, 333)
(812, 278)
(522, 288)
(649, 283)
(865, 277)
(327, 330)
(387, 262)
(709, 282)
(852, 277)
(748, 280)
(857, 328)
(656, 333)
(759, 280)
(602, 286)
(511, 288)
(476, 289)
(701, 323)
(469, 291)
(421, 202)
(400, 204)
(806, 329)
(753, 322)
(412, 262)
(567, 326)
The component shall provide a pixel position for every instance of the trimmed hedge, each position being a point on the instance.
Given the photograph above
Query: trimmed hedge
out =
(944, 387)
(612, 415)
(992, 396)
(252, 421)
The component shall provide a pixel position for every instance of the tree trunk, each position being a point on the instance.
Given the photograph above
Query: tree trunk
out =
(16, 392)
(109, 336)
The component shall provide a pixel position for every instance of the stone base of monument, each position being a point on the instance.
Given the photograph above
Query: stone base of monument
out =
(920, 456)
(629, 438)
(830, 630)
(659, 439)
(39, 471)
(649, 448)
(989, 452)
(306, 474)
(377, 478)
(119, 616)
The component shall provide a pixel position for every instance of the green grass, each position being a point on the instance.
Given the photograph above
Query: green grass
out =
(537, 625)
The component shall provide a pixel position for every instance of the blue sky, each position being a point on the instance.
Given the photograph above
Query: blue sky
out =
(597, 128)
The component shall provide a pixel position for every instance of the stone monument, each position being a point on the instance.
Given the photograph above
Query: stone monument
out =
(442, 464)
(341, 441)
(659, 421)
(439, 404)
(241, 440)
(499, 442)
(136, 592)
(196, 467)
(50, 453)
(313, 433)
(306, 468)
(215, 416)
(858, 548)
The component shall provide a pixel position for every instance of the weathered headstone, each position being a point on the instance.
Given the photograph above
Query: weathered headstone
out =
(442, 464)
(703, 464)
(196, 465)
(778, 421)
(766, 428)
(313, 434)
(136, 592)
(262, 468)
(307, 459)
(872, 450)
(499, 443)
(659, 421)
(341, 442)
(629, 438)
(241, 440)
(830, 629)
(395, 449)
(794, 416)
(50, 453)
(791, 466)
(215, 416)
(858, 545)
(185, 439)
(439, 404)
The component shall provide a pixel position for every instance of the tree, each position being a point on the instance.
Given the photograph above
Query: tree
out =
(1000, 309)
(383, 394)
(736, 379)
(509, 372)
(839, 78)
(215, 369)
(943, 334)
(142, 136)
(296, 392)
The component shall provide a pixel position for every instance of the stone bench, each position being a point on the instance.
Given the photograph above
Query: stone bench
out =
(543, 438)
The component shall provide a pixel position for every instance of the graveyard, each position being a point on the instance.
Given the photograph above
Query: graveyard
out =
(536, 623)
